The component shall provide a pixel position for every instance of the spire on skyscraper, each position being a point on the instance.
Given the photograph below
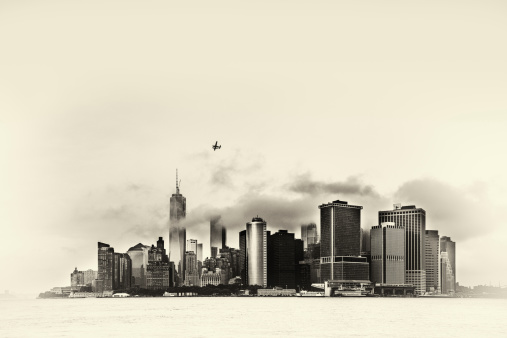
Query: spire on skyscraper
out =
(177, 183)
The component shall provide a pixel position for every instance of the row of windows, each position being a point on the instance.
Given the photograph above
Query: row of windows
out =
(388, 257)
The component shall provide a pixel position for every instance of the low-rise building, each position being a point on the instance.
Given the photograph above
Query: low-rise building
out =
(276, 292)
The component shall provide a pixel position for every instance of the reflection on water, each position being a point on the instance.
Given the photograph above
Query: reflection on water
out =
(251, 316)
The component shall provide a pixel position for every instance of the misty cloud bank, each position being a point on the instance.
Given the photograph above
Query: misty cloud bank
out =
(460, 213)
(351, 186)
(128, 215)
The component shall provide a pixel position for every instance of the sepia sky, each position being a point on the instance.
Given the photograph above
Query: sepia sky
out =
(370, 102)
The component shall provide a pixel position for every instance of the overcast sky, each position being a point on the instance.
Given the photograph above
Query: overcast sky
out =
(372, 102)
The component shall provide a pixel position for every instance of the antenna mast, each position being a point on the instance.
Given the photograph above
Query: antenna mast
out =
(177, 186)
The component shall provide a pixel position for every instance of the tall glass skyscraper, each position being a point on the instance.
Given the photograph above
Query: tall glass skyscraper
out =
(177, 231)
(256, 247)
(340, 242)
(432, 256)
(413, 220)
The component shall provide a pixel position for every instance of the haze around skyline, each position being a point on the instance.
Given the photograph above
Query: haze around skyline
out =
(312, 101)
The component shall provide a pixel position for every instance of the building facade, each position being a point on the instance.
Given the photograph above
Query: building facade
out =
(449, 247)
(158, 272)
(192, 272)
(309, 234)
(106, 267)
(243, 270)
(413, 220)
(211, 278)
(432, 256)
(199, 252)
(256, 247)
(77, 279)
(89, 276)
(177, 230)
(125, 272)
(139, 262)
(447, 275)
(387, 253)
(340, 242)
(281, 260)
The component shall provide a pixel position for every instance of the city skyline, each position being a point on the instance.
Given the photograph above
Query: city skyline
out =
(372, 103)
(279, 259)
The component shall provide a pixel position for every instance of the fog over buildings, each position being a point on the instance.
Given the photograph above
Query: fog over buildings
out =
(400, 103)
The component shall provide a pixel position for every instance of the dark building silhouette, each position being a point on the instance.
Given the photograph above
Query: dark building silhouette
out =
(303, 276)
(282, 260)
(177, 231)
(224, 237)
(242, 257)
(341, 242)
(299, 251)
(413, 220)
(218, 235)
(303, 269)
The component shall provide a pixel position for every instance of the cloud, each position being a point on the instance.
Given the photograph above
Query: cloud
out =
(351, 186)
(225, 171)
(121, 215)
(460, 213)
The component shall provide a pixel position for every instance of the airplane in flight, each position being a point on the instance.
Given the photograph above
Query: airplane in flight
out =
(216, 146)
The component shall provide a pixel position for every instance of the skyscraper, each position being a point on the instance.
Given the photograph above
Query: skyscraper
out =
(177, 231)
(105, 274)
(158, 272)
(413, 220)
(77, 279)
(199, 252)
(125, 272)
(340, 242)
(281, 260)
(309, 234)
(217, 235)
(432, 257)
(446, 275)
(89, 276)
(191, 273)
(387, 253)
(139, 261)
(448, 246)
(192, 245)
(256, 248)
(243, 270)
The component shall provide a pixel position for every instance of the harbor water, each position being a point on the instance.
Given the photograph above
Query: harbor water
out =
(253, 316)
